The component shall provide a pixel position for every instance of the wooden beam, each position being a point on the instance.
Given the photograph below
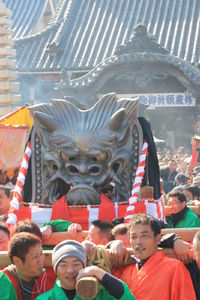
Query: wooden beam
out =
(5, 261)
(58, 237)
(187, 234)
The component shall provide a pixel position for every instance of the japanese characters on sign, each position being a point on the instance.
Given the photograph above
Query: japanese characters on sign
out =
(163, 100)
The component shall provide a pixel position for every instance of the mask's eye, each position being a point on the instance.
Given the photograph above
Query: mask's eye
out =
(72, 158)
(94, 170)
(65, 157)
(99, 158)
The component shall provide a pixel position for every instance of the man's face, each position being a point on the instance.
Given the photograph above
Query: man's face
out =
(175, 205)
(67, 271)
(143, 241)
(4, 240)
(3, 177)
(96, 236)
(4, 202)
(33, 264)
(172, 166)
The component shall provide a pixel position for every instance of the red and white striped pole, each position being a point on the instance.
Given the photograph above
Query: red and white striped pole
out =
(135, 193)
(18, 192)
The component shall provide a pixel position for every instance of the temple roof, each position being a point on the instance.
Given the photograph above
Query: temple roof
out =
(25, 15)
(84, 33)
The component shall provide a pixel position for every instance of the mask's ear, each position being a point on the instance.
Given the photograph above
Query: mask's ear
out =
(153, 166)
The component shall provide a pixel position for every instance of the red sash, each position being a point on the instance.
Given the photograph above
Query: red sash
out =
(15, 283)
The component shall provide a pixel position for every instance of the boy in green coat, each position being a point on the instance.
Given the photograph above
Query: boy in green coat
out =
(69, 261)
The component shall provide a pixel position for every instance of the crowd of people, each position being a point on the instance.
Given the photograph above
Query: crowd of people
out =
(181, 185)
(25, 277)
(106, 252)
(5, 179)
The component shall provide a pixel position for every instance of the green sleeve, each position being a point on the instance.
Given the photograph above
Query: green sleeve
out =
(127, 293)
(7, 290)
(197, 222)
(191, 220)
(59, 225)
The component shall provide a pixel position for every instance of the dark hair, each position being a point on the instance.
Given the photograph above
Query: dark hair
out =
(120, 229)
(164, 172)
(194, 190)
(7, 189)
(20, 244)
(106, 189)
(104, 227)
(27, 226)
(4, 228)
(145, 220)
(181, 197)
(181, 178)
(102, 224)
(172, 161)
(117, 221)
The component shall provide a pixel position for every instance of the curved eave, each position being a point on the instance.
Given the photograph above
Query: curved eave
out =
(186, 73)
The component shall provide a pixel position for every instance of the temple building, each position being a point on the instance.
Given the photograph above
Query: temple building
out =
(149, 49)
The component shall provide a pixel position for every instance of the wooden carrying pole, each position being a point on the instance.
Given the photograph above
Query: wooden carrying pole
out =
(58, 237)
(186, 234)
(5, 261)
